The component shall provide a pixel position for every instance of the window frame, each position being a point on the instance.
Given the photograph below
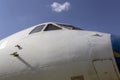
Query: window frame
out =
(69, 27)
(46, 25)
(36, 27)
(53, 25)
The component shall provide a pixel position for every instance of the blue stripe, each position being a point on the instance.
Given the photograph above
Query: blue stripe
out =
(116, 46)
(116, 43)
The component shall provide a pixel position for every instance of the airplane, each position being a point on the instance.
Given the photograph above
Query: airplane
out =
(58, 51)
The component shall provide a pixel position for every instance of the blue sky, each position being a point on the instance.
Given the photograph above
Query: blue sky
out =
(95, 15)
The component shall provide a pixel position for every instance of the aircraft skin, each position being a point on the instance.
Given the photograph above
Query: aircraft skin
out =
(61, 54)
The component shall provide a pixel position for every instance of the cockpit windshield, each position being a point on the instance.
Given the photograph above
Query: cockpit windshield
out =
(53, 26)
(68, 26)
(37, 29)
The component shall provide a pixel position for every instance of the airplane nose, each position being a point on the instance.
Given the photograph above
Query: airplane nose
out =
(116, 48)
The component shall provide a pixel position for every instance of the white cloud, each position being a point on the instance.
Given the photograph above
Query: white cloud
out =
(57, 7)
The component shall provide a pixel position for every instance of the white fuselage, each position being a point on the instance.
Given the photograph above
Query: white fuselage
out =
(58, 55)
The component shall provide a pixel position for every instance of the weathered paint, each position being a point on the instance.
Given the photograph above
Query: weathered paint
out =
(57, 55)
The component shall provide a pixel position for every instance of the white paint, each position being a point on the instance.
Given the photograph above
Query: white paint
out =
(3, 44)
(56, 55)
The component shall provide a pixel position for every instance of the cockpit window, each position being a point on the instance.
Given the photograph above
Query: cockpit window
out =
(69, 26)
(37, 29)
(52, 27)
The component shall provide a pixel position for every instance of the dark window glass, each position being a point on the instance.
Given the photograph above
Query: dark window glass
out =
(69, 26)
(37, 29)
(51, 27)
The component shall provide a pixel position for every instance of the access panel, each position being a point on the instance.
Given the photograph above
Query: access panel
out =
(105, 70)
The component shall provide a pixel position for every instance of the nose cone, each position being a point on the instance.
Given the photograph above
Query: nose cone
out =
(116, 49)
